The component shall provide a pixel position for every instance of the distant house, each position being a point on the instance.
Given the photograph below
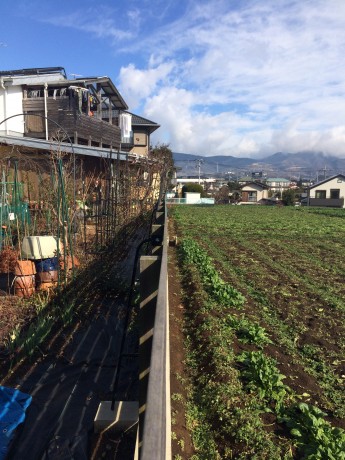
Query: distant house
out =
(329, 192)
(254, 192)
(278, 184)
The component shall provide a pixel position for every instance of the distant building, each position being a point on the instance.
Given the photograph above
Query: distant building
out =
(329, 192)
(278, 184)
(209, 184)
(254, 192)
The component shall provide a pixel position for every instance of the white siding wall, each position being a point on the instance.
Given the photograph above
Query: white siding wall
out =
(261, 193)
(336, 183)
(11, 103)
(192, 197)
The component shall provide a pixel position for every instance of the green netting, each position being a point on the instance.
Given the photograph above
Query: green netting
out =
(14, 212)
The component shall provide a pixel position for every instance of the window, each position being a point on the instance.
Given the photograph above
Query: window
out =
(335, 193)
(320, 194)
(252, 196)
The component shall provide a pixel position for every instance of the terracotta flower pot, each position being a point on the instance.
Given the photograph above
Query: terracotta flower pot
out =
(68, 261)
(24, 286)
(24, 267)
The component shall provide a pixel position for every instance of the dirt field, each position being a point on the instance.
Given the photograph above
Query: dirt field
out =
(288, 265)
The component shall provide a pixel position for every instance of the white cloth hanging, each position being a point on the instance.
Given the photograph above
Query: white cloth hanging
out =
(125, 122)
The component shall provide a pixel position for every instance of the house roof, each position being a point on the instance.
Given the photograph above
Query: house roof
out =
(245, 179)
(108, 87)
(137, 120)
(254, 182)
(342, 176)
(141, 121)
(277, 179)
(33, 71)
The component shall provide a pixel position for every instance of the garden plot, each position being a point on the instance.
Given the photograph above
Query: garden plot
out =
(264, 327)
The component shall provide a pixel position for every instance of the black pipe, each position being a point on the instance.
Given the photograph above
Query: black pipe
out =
(128, 311)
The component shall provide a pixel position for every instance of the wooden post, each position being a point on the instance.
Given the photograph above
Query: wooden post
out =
(99, 106)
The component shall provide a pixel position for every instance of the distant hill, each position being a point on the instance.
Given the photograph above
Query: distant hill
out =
(290, 165)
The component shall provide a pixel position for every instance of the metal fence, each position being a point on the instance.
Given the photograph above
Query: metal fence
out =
(206, 201)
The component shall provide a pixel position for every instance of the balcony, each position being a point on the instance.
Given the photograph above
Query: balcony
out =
(327, 202)
(81, 128)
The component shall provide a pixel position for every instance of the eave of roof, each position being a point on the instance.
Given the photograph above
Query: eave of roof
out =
(41, 144)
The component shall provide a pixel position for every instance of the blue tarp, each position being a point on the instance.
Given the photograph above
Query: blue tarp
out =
(13, 404)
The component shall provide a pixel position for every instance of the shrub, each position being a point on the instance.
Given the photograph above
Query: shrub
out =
(192, 188)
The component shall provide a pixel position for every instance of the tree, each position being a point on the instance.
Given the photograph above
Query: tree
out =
(165, 163)
(222, 196)
(288, 197)
(163, 153)
(233, 186)
(192, 188)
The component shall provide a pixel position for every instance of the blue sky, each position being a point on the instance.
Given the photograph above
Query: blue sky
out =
(222, 77)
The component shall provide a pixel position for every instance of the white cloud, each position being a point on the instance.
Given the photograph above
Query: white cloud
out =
(139, 84)
(229, 77)
(331, 141)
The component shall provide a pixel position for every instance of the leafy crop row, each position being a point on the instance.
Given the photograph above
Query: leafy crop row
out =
(237, 389)
(220, 291)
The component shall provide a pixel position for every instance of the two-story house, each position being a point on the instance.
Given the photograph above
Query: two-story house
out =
(278, 184)
(253, 192)
(84, 122)
(43, 103)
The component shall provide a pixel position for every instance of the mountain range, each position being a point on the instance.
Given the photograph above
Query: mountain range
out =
(305, 165)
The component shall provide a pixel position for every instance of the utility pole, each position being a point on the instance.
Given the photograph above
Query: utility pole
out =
(199, 162)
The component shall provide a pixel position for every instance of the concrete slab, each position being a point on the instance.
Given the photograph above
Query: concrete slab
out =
(124, 415)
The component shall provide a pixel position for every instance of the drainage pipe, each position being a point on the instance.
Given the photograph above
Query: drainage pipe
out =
(5, 102)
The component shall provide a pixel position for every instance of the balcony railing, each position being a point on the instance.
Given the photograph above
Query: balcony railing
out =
(128, 140)
(82, 128)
